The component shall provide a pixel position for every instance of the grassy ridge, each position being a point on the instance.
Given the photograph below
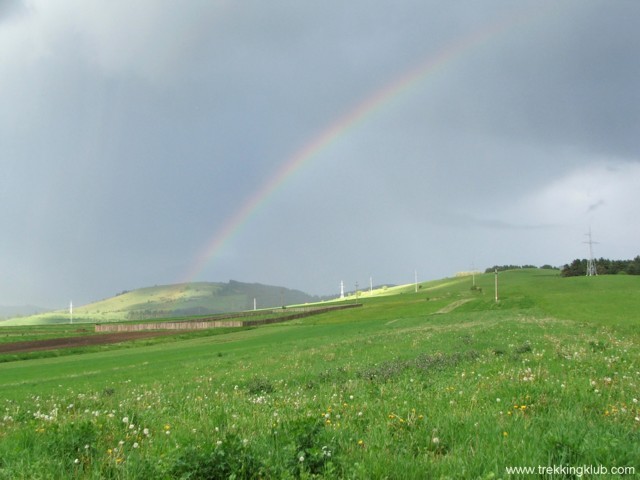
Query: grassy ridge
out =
(197, 298)
(443, 383)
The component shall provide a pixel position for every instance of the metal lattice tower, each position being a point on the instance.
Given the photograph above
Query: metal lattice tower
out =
(591, 263)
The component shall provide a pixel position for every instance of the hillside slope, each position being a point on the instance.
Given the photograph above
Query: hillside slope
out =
(436, 381)
(20, 310)
(199, 298)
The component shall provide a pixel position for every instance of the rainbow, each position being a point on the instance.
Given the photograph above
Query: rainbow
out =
(353, 118)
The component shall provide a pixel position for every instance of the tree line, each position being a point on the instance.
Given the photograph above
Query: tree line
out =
(502, 268)
(604, 266)
(578, 267)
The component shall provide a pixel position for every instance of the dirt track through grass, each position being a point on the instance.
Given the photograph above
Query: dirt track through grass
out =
(453, 305)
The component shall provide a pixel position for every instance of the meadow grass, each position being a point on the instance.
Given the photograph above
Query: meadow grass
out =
(10, 334)
(443, 383)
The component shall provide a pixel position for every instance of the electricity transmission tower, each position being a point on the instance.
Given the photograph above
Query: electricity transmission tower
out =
(591, 263)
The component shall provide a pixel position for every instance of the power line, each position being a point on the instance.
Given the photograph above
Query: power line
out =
(591, 263)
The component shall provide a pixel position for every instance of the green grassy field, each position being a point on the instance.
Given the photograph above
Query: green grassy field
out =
(442, 383)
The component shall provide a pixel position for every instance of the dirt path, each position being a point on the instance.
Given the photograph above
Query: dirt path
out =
(452, 306)
(81, 341)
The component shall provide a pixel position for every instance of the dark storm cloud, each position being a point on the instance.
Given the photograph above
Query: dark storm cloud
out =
(131, 133)
(8, 8)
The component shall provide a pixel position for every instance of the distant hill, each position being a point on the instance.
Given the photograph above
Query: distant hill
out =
(20, 311)
(199, 298)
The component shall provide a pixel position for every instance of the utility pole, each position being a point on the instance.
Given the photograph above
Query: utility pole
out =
(415, 272)
(70, 311)
(496, 285)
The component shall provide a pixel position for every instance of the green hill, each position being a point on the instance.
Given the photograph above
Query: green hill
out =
(22, 310)
(199, 298)
(442, 382)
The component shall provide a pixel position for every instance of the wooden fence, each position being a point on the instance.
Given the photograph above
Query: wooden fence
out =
(282, 315)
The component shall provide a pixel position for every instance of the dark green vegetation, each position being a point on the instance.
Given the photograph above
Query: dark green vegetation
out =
(502, 268)
(604, 266)
(443, 383)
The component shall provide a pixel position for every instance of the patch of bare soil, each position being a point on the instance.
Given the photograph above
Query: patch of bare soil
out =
(81, 341)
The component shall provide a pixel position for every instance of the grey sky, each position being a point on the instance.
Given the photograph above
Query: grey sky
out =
(130, 132)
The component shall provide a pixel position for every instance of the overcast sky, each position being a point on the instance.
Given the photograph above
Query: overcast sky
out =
(131, 133)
